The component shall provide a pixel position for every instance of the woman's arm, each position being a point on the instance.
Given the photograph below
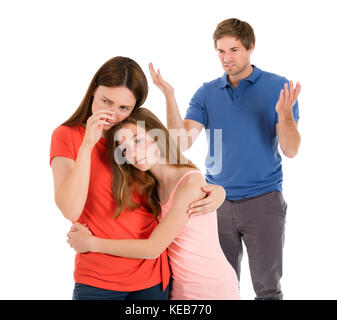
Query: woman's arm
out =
(71, 181)
(169, 227)
(71, 178)
(215, 196)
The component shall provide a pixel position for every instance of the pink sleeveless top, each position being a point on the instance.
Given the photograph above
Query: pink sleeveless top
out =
(200, 270)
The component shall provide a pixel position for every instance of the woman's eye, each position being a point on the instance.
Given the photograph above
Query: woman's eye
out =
(105, 101)
(124, 108)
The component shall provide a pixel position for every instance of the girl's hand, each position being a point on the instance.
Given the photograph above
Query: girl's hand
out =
(157, 79)
(95, 125)
(216, 195)
(80, 238)
(288, 97)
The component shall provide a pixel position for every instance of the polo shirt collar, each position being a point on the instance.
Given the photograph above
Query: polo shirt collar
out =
(223, 82)
(254, 75)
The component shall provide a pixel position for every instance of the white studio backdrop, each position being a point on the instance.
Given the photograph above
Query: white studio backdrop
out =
(49, 53)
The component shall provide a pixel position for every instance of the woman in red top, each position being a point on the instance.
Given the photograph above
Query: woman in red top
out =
(83, 185)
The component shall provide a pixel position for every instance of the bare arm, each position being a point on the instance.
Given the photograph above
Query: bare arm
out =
(186, 133)
(187, 130)
(71, 178)
(288, 136)
(169, 227)
(71, 181)
(286, 128)
(215, 196)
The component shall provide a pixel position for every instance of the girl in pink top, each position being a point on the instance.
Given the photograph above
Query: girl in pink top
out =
(199, 267)
(200, 270)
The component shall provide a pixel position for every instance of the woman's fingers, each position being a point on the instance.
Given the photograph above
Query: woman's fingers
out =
(200, 210)
(107, 114)
(199, 203)
(98, 122)
(81, 228)
(73, 228)
(104, 111)
(77, 224)
(203, 206)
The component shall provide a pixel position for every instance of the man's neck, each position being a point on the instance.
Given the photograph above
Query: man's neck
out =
(235, 79)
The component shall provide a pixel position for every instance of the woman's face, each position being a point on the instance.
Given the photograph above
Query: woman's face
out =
(120, 100)
(137, 146)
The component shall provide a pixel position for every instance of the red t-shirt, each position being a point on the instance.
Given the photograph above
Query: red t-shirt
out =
(98, 269)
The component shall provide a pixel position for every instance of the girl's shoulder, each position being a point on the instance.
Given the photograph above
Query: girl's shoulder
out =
(190, 179)
(188, 188)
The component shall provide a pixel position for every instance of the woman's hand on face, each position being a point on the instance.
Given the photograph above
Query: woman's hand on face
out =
(215, 196)
(95, 125)
(157, 79)
(80, 238)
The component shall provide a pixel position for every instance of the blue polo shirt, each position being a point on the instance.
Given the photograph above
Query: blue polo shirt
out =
(243, 154)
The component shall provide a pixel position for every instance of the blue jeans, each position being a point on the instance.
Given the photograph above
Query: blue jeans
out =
(86, 292)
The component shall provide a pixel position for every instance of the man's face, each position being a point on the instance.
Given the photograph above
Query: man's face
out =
(234, 57)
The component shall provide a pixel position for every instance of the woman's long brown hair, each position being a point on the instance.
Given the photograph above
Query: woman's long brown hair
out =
(116, 72)
(126, 178)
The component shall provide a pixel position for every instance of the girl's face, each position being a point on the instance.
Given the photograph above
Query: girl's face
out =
(138, 147)
(120, 100)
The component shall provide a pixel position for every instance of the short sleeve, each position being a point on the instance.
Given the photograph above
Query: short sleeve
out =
(62, 144)
(197, 110)
(296, 113)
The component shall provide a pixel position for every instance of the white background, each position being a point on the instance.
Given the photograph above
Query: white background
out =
(50, 51)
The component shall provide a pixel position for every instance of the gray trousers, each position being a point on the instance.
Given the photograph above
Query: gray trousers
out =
(259, 222)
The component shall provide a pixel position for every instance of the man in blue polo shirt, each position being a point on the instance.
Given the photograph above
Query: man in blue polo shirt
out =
(256, 111)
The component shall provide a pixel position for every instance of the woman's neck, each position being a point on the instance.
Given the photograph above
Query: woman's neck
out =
(167, 174)
(164, 173)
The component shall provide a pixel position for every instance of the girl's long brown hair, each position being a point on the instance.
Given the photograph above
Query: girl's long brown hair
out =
(116, 72)
(127, 179)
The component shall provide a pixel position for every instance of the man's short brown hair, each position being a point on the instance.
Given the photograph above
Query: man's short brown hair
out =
(241, 30)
